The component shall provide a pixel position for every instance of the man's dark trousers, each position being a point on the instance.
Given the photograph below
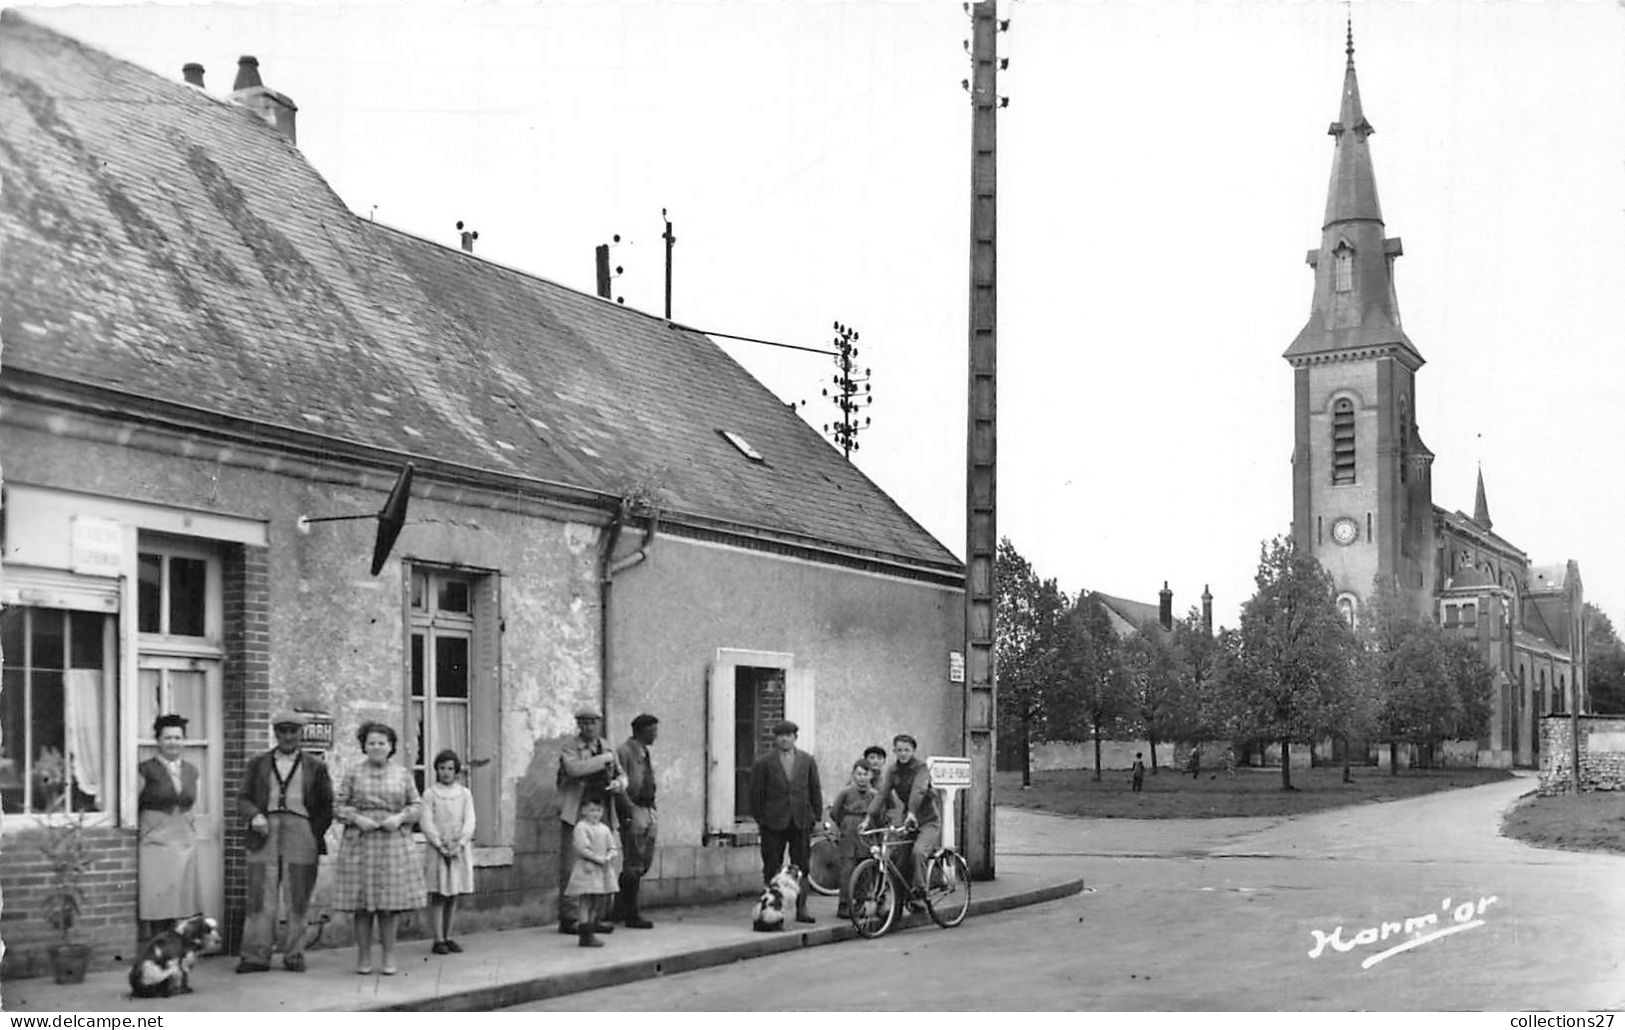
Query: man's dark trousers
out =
(774, 842)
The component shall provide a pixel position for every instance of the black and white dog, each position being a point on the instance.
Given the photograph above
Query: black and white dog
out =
(778, 900)
(164, 963)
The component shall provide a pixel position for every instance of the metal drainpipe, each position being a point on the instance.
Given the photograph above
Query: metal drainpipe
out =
(608, 569)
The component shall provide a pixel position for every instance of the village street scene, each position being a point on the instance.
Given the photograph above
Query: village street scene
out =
(557, 508)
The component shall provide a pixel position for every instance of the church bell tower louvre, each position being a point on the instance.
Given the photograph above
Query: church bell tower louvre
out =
(1361, 477)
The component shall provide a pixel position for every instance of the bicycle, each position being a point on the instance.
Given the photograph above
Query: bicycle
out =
(823, 861)
(879, 887)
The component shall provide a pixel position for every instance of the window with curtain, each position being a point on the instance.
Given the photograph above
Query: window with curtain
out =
(57, 698)
(453, 692)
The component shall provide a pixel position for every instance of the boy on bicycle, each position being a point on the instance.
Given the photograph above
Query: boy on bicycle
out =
(907, 783)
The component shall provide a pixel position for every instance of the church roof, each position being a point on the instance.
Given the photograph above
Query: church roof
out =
(1481, 506)
(163, 244)
(1129, 617)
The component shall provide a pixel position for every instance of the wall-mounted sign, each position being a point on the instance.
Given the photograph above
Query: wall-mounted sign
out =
(96, 546)
(318, 732)
(956, 666)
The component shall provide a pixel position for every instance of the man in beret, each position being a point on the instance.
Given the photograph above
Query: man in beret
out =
(636, 805)
(786, 801)
(587, 770)
(287, 798)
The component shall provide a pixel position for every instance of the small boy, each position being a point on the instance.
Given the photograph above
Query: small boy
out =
(596, 872)
(1139, 771)
(847, 812)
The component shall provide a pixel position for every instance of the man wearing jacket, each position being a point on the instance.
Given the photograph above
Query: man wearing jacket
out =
(287, 798)
(786, 801)
(636, 807)
(907, 783)
(587, 769)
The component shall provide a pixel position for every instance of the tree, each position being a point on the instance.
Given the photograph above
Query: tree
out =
(1605, 663)
(1155, 681)
(1090, 693)
(1029, 612)
(1295, 655)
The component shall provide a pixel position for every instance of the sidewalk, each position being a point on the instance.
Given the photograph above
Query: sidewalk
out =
(511, 967)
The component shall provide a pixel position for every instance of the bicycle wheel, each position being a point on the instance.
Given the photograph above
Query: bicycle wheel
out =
(947, 895)
(874, 900)
(823, 867)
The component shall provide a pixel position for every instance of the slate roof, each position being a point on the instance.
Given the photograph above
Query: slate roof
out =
(1129, 617)
(169, 244)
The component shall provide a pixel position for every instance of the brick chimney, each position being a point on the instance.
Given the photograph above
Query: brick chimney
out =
(468, 236)
(248, 91)
(1207, 611)
(192, 72)
(1165, 607)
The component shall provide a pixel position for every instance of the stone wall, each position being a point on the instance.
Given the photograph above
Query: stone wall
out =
(1602, 753)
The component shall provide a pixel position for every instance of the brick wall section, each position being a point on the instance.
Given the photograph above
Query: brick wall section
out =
(107, 921)
(1602, 765)
(246, 686)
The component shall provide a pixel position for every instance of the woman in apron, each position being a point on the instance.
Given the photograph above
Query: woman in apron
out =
(168, 844)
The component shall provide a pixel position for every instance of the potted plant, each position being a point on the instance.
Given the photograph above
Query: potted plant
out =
(67, 856)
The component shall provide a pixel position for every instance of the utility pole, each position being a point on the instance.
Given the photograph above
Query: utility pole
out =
(981, 451)
(670, 240)
(851, 391)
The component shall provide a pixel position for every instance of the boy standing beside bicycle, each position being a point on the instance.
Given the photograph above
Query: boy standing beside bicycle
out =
(909, 782)
(847, 812)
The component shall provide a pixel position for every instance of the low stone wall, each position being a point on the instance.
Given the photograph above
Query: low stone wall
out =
(1114, 754)
(1602, 753)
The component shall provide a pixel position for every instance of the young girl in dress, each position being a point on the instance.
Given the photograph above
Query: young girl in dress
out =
(593, 878)
(447, 822)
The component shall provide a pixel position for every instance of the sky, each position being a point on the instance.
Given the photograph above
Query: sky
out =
(1162, 166)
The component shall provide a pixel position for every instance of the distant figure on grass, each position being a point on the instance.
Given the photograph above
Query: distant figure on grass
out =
(1139, 771)
(1230, 761)
(1194, 765)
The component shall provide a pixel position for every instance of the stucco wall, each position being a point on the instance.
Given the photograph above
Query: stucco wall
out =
(878, 648)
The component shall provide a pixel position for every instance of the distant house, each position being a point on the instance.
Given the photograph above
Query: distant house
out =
(203, 345)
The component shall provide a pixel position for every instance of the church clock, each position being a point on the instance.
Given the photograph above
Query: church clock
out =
(1345, 531)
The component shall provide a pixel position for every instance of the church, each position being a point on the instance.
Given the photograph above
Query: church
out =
(1362, 496)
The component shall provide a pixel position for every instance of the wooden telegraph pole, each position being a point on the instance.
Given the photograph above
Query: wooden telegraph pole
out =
(981, 531)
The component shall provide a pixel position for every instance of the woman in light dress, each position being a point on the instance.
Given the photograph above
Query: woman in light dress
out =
(447, 823)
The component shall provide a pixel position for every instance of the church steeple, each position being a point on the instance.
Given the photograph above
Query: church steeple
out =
(1481, 507)
(1355, 306)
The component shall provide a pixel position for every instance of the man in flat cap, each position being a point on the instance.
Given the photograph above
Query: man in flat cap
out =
(287, 798)
(636, 806)
(786, 801)
(587, 770)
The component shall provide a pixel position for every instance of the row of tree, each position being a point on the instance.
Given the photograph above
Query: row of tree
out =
(1292, 672)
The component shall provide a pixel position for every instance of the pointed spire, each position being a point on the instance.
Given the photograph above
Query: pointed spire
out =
(1354, 183)
(1481, 507)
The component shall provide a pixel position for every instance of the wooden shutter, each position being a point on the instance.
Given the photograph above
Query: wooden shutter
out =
(719, 748)
(485, 701)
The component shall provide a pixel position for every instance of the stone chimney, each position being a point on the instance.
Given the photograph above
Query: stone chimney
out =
(1207, 611)
(248, 91)
(192, 72)
(1165, 609)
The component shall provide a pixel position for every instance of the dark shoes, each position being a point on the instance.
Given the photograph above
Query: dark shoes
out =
(589, 941)
(637, 922)
(293, 963)
(453, 947)
(568, 928)
(440, 948)
(246, 966)
(802, 917)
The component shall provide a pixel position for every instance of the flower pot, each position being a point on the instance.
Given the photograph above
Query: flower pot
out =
(68, 962)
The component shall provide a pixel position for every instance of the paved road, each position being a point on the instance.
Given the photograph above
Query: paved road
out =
(1201, 915)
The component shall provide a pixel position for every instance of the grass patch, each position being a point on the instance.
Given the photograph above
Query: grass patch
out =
(1593, 821)
(1252, 792)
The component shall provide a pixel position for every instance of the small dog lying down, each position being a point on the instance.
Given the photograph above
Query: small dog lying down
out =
(778, 900)
(164, 963)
